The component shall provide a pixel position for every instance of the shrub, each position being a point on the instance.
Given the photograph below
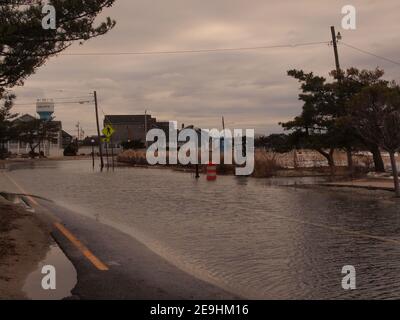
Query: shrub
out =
(4, 153)
(71, 150)
(134, 144)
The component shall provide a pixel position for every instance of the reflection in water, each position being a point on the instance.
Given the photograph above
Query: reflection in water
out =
(66, 277)
(256, 237)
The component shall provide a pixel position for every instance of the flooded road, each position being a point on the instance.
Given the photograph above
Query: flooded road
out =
(256, 238)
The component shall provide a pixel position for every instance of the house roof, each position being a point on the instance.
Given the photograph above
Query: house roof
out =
(24, 118)
(27, 117)
(126, 118)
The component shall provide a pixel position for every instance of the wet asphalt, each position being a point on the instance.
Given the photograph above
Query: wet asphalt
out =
(135, 272)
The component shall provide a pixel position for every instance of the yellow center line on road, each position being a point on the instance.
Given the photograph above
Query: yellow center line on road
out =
(79, 245)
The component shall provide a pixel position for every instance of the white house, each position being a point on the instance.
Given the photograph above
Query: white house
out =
(50, 148)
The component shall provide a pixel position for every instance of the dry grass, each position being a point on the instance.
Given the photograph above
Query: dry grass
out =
(134, 157)
(268, 163)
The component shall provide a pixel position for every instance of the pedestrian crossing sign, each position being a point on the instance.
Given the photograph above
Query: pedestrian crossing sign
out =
(108, 131)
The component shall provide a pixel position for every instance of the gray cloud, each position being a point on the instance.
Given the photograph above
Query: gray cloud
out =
(249, 88)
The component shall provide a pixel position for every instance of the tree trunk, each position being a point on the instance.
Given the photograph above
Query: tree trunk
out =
(295, 160)
(395, 174)
(329, 157)
(331, 161)
(349, 159)
(33, 148)
(378, 162)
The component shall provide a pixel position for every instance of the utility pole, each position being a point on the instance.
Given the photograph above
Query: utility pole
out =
(197, 176)
(78, 126)
(108, 161)
(112, 154)
(98, 132)
(335, 49)
(145, 128)
(335, 39)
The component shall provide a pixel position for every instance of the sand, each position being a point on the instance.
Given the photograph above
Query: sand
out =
(24, 242)
(367, 183)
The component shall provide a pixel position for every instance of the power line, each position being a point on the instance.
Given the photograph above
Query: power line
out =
(75, 91)
(196, 51)
(370, 53)
(60, 99)
(294, 45)
(57, 102)
(71, 98)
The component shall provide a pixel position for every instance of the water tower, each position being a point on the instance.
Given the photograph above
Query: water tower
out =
(45, 108)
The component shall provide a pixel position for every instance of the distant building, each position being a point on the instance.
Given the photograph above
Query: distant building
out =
(201, 134)
(24, 118)
(133, 127)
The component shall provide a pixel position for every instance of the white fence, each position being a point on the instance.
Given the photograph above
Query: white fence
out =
(49, 149)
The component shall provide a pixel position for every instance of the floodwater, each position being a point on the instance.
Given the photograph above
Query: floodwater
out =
(259, 238)
(63, 285)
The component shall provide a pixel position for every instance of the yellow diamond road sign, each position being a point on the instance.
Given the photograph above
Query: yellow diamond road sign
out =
(108, 131)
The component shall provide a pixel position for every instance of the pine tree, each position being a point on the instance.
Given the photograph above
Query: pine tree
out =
(25, 45)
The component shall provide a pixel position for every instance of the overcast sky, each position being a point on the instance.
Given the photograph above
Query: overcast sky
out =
(249, 88)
